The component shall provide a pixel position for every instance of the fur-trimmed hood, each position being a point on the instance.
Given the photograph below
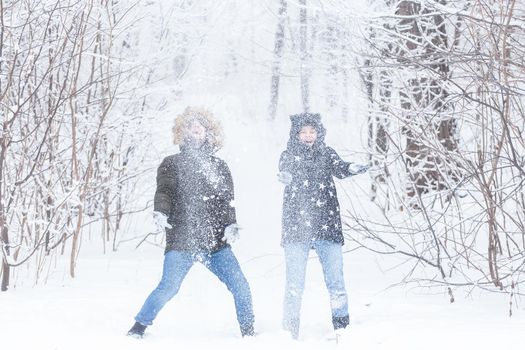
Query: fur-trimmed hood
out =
(214, 134)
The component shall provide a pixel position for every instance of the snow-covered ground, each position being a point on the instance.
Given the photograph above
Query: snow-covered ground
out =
(95, 310)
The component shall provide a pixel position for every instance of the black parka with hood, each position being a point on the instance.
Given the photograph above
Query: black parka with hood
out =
(195, 191)
(310, 206)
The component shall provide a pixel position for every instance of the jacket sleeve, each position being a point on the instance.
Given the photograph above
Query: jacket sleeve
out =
(166, 183)
(338, 167)
(227, 195)
(286, 162)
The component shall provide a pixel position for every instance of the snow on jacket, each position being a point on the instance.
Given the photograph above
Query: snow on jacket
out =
(310, 206)
(195, 191)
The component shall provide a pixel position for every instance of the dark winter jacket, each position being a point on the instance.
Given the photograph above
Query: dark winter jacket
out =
(195, 191)
(310, 205)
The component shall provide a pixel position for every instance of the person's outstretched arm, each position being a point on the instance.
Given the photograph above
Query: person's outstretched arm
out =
(341, 169)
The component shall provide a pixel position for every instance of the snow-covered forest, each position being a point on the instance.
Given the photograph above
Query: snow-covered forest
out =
(430, 93)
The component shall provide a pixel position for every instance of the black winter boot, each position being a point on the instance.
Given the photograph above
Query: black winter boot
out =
(137, 330)
(247, 331)
(340, 322)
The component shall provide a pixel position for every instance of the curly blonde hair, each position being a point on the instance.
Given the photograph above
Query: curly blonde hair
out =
(214, 134)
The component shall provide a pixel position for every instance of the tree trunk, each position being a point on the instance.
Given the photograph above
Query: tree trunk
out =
(4, 237)
(303, 47)
(5, 271)
(378, 83)
(424, 96)
(278, 54)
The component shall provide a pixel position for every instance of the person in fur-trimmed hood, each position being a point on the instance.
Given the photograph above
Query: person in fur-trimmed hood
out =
(311, 216)
(193, 203)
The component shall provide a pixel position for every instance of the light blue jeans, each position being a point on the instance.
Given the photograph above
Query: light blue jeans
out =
(221, 263)
(296, 257)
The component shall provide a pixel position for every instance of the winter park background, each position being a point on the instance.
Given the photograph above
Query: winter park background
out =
(431, 93)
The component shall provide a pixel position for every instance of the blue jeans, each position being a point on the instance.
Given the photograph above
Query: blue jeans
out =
(177, 264)
(331, 258)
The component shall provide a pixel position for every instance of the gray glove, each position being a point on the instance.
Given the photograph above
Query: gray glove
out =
(231, 233)
(284, 177)
(356, 169)
(161, 220)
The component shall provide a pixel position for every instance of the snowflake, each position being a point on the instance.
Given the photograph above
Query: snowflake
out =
(319, 203)
(322, 186)
(302, 212)
(325, 227)
(308, 223)
(306, 183)
(297, 158)
(331, 193)
(331, 212)
(294, 228)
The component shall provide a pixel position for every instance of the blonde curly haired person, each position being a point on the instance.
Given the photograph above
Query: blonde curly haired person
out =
(193, 204)
(183, 122)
